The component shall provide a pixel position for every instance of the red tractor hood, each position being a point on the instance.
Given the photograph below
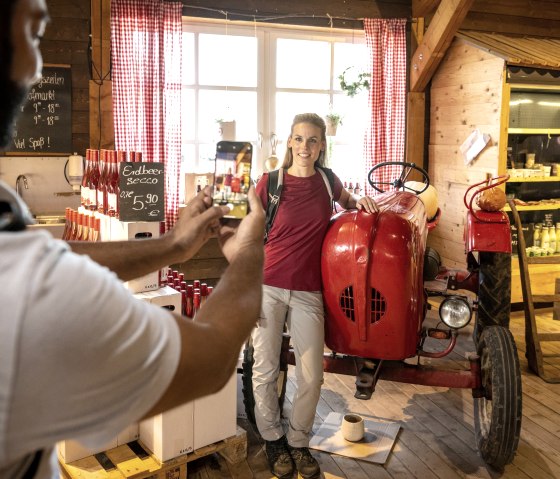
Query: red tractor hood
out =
(372, 278)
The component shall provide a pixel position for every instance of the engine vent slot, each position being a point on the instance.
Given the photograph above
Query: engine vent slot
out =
(378, 305)
(347, 303)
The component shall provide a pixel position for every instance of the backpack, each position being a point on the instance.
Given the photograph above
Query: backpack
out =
(274, 189)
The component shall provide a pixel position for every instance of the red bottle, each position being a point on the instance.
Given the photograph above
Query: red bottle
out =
(189, 305)
(112, 185)
(93, 180)
(84, 190)
(74, 229)
(102, 183)
(67, 223)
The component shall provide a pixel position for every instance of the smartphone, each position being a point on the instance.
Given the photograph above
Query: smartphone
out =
(232, 176)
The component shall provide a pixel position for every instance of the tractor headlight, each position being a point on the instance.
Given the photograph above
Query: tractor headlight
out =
(455, 312)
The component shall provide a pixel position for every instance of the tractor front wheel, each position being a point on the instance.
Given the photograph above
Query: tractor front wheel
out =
(494, 291)
(497, 414)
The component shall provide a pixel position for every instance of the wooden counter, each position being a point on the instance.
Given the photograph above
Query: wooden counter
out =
(207, 265)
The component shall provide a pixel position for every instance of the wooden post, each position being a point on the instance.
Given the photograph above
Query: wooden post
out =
(556, 306)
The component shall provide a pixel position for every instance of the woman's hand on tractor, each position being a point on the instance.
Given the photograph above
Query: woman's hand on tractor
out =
(367, 204)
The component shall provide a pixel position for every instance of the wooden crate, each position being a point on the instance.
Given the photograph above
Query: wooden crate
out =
(135, 461)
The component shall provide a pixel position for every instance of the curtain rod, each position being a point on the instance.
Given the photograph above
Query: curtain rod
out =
(263, 18)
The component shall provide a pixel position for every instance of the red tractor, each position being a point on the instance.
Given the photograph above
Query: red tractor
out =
(377, 277)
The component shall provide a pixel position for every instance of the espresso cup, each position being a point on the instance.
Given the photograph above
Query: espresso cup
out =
(352, 427)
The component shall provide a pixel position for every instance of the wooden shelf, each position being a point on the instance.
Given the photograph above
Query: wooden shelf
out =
(533, 179)
(534, 207)
(534, 131)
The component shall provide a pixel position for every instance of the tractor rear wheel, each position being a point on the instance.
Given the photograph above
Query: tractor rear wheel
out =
(494, 291)
(247, 381)
(497, 414)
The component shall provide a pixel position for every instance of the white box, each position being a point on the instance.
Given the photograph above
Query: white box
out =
(166, 297)
(71, 451)
(127, 230)
(128, 434)
(215, 416)
(169, 434)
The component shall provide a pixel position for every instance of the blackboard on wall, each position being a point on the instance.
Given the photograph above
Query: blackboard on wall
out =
(44, 124)
(141, 191)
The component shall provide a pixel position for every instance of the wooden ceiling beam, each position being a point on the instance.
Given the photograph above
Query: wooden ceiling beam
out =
(445, 23)
(422, 8)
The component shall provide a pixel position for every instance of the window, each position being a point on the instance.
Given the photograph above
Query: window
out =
(261, 76)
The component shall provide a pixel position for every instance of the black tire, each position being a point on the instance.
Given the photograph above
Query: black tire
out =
(497, 415)
(494, 291)
(247, 381)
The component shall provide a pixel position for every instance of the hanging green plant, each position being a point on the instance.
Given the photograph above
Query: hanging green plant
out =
(353, 88)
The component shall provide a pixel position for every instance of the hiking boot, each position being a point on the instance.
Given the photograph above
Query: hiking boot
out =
(279, 458)
(306, 464)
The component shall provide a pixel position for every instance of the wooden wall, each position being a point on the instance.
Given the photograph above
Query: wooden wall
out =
(304, 12)
(466, 93)
(66, 42)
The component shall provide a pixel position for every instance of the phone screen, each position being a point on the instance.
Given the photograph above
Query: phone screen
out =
(232, 176)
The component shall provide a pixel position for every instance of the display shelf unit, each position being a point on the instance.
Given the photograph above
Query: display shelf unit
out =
(533, 179)
(534, 131)
(534, 207)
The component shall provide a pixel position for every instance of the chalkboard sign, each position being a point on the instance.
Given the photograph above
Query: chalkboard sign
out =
(141, 192)
(44, 124)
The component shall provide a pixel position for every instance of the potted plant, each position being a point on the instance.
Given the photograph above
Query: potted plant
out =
(351, 88)
(332, 120)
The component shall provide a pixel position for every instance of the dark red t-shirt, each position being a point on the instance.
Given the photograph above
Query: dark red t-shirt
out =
(293, 250)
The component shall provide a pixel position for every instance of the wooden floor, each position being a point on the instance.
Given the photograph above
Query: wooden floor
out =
(436, 439)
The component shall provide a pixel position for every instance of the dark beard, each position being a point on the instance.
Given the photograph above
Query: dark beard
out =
(11, 98)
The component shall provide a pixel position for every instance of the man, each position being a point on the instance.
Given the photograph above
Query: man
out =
(80, 357)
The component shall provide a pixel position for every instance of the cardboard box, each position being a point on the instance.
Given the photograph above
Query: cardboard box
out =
(215, 416)
(127, 230)
(169, 434)
(166, 297)
(71, 451)
(128, 434)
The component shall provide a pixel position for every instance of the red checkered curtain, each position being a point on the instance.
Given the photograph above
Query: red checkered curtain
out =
(385, 136)
(146, 58)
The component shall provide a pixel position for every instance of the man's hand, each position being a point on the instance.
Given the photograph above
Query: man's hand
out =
(248, 236)
(198, 222)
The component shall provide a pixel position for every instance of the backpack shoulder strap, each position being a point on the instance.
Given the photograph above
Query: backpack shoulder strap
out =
(274, 190)
(328, 177)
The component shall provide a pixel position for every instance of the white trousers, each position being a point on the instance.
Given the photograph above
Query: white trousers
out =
(304, 313)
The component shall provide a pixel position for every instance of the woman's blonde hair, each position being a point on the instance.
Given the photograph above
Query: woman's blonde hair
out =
(315, 120)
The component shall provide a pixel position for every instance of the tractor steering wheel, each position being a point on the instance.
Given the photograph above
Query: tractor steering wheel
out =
(398, 183)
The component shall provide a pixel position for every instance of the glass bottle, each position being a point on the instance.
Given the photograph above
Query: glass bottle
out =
(557, 237)
(537, 235)
(102, 183)
(545, 239)
(67, 223)
(93, 179)
(552, 238)
(112, 185)
(84, 190)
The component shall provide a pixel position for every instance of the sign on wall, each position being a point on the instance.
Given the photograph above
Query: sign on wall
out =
(44, 122)
(141, 192)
